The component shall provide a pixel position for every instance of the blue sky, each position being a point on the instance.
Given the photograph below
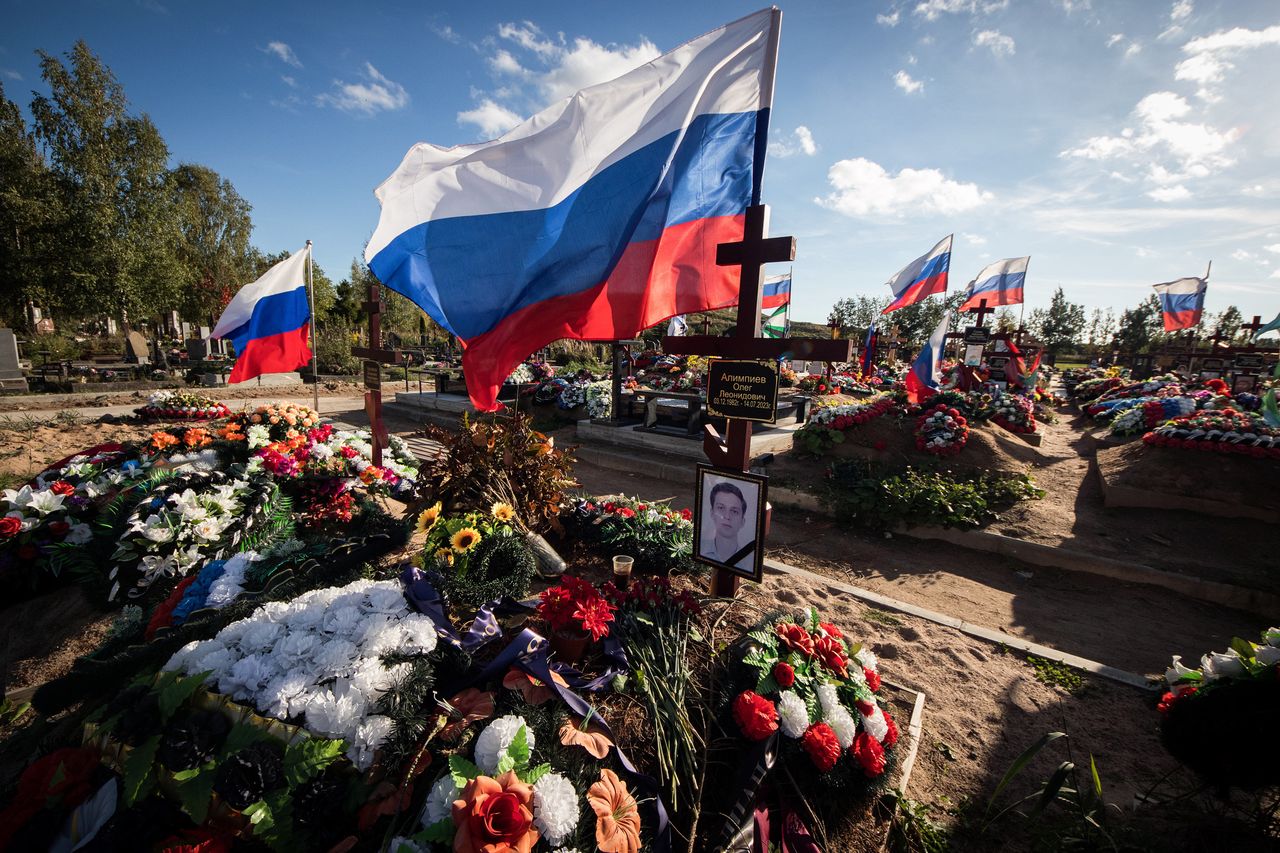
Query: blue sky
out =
(1120, 143)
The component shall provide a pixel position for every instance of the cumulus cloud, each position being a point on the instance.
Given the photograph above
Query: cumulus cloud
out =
(907, 83)
(931, 10)
(1274, 248)
(889, 20)
(283, 52)
(799, 141)
(1181, 10)
(1209, 57)
(1174, 193)
(974, 239)
(861, 187)
(492, 119)
(999, 43)
(447, 33)
(376, 93)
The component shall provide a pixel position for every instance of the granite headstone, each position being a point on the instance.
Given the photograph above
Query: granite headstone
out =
(11, 378)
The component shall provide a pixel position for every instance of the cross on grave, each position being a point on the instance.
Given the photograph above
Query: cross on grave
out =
(733, 451)
(375, 355)
(982, 311)
(1253, 329)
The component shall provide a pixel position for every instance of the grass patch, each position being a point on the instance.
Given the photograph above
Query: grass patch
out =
(881, 617)
(1056, 674)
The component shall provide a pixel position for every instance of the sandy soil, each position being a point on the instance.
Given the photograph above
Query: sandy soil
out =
(226, 394)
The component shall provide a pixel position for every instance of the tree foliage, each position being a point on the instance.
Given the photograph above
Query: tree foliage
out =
(214, 252)
(1140, 326)
(1059, 327)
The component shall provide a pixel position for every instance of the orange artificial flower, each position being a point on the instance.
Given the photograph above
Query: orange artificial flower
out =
(617, 815)
(196, 437)
(592, 738)
(161, 440)
(469, 706)
(533, 691)
(495, 816)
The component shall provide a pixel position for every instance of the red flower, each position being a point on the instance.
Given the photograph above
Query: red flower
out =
(10, 527)
(892, 737)
(627, 512)
(595, 614)
(59, 528)
(1168, 700)
(784, 675)
(348, 452)
(865, 708)
(795, 637)
(163, 615)
(869, 753)
(822, 745)
(873, 679)
(686, 514)
(831, 653)
(755, 715)
(62, 487)
(831, 629)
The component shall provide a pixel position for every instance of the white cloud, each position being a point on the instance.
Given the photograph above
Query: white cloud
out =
(1181, 9)
(863, 188)
(1070, 6)
(1115, 39)
(1143, 253)
(1108, 222)
(1209, 57)
(1242, 255)
(1000, 44)
(930, 10)
(911, 59)
(283, 52)
(798, 142)
(11, 74)
(377, 93)
(907, 83)
(587, 63)
(503, 62)
(447, 33)
(492, 119)
(1274, 274)
(975, 239)
(889, 20)
(1132, 50)
(1274, 248)
(1174, 193)
(289, 81)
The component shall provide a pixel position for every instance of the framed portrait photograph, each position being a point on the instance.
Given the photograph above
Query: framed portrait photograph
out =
(728, 521)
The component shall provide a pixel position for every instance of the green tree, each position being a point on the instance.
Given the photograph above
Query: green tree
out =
(119, 244)
(1059, 327)
(1140, 326)
(1228, 323)
(855, 314)
(214, 251)
(1102, 328)
(916, 323)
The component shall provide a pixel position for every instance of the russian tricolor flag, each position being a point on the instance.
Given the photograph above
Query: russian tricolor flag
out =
(268, 321)
(1182, 302)
(593, 220)
(1000, 283)
(921, 278)
(926, 371)
(776, 291)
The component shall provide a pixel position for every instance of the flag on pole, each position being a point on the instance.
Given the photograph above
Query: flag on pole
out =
(926, 370)
(869, 350)
(593, 220)
(999, 283)
(776, 291)
(1021, 375)
(921, 278)
(268, 321)
(1181, 302)
(775, 323)
(677, 328)
(1270, 327)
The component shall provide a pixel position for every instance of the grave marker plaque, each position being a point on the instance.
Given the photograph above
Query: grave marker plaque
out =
(11, 377)
(977, 335)
(998, 371)
(1248, 361)
(136, 349)
(743, 389)
(373, 376)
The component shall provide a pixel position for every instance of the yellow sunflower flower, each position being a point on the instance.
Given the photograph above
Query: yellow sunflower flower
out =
(428, 518)
(445, 556)
(503, 511)
(465, 539)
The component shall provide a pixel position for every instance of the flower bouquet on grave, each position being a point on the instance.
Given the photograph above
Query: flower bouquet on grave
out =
(1091, 389)
(817, 385)
(1014, 412)
(323, 453)
(1149, 414)
(1236, 692)
(572, 395)
(848, 415)
(657, 536)
(599, 396)
(577, 615)
(476, 557)
(942, 431)
(182, 405)
(1220, 431)
(787, 377)
(277, 422)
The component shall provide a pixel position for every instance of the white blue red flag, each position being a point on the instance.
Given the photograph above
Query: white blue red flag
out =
(869, 350)
(268, 321)
(926, 370)
(1000, 283)
(1182, 302)
(776, 291)
(595, 219)
(921, 278)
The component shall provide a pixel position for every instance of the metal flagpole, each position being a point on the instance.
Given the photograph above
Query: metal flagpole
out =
(315, 346)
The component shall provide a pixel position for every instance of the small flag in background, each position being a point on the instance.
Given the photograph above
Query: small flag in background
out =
(1270, 327)
(776, 291)
(921, 278)
(775, 323)
(869, 350)
(926, 370)
(1000, 283)
(1182, 302)
(268, 321)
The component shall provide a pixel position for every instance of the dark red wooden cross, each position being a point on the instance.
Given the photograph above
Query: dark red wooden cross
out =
(1253, 330)
(375, 352)
(733, 451)
(982, 311)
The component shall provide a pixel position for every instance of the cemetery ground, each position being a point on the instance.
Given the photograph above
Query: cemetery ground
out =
(986, 702)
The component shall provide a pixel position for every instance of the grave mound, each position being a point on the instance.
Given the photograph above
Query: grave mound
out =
(1138, 475)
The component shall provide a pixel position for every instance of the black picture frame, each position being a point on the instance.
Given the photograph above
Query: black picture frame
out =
(754, 487)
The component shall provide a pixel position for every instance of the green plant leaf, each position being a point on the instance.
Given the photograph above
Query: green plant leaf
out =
(259, 815)
(440, 832)
(173, 694)
(518, 751)
(307, 758)
(1021, 762)
(1244, 648)
(463, 771)
(1054, 787)
(767, 684)
(533, 774)
(139, 778)
(195, 791)
(240, 737)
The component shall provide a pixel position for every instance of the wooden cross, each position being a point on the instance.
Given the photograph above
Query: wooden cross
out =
(376, 354)
(982, 311)
(1253, 330)
(733, 451)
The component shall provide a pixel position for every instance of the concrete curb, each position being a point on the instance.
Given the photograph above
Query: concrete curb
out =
(1214, 592)
(1132, 679)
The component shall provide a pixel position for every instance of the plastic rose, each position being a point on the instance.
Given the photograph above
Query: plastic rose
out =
(494, 815)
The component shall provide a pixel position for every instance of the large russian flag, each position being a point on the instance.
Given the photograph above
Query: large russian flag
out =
(926, 371)
(1000, 283)
(776, 291)
(268, 321)
(921, 278)
(1182, 302)
(593, 220)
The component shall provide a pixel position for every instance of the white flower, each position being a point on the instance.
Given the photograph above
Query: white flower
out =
(419, 632)
(79, 534)
(1177, 671)
(156, 529)
(342, 621)
(45, 502)
(792, 714)
(1217, 665)
(210, 528)
(401, 844)
(368, 737)
(154, 566)
(336, 658)
(285, 695)
(296, 650)
(555, 807)
(257, 436)
(215, 662)
(875, 724)
(492, 744)
(381, 636)
(18, 498)
(261, 636)
(321, 451)
(27, 523)
(868, 659)
(1267, 655)
(440, 801)
(383, 599)
(246, 677)
(1272, 636)
(373, 679)
(336, 711)
(180, 657)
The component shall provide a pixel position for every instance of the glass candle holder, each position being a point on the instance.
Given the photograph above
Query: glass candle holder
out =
(622, 571)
